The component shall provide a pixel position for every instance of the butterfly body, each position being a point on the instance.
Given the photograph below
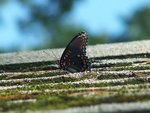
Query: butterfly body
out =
(74, 57)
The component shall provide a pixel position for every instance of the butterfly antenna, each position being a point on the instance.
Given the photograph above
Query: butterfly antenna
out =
(55, 57)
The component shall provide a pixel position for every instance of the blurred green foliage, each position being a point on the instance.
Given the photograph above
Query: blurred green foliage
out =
(46, 18)
(137, 26)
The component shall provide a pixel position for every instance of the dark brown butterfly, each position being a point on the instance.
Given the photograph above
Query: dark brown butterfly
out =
(74, 57)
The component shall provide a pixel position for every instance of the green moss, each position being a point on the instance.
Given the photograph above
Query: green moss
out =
(131, 68)
(34, 75)
(57, 102)
(37, 81)
(71, 97)
(24, 67)
(59, 92)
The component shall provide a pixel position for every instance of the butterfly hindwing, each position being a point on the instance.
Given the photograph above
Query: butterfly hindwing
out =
(74, 57)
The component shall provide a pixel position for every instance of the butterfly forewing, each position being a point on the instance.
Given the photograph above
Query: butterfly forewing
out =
(74, 57)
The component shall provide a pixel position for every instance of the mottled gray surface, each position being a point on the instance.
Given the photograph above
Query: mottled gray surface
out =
(30, 56)
(128, 74)
(105, 108)
(136, 47)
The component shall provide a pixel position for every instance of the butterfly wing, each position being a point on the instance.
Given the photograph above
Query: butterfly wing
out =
(74, 57)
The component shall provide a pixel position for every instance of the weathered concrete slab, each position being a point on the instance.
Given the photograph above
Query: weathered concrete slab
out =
(119, 81)
(111, 108)
(116, 49)
(29, 56)
(136, 47)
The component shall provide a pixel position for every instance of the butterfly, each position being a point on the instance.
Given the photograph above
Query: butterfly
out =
(74, 57)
